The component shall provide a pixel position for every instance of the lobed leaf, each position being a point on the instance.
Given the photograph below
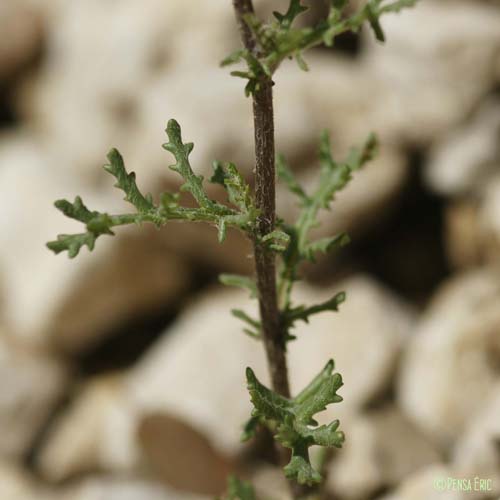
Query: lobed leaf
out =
(294, 9)
(279, 40)
(294, 422)
(126, 182)
(239, 490)
(255, 327)
(242, 216)
(267, 403)
(291, 315)
(240, 281)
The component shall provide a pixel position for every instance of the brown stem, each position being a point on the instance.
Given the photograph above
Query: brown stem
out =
(242, 7)
(265, 267)
(273, 333)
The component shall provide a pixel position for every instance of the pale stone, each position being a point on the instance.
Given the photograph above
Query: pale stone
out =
(22, 31)
(382, 449)
(31, 385)
(464, 238)
(84, 426)
(106, 54)
(489, 220)
(434, 68)
(354, 340)
(271, 482)
(369, 331)
(473, 228)
(477, 451)
(15, 483)
(430, 483)
(468, 157)
(137, 277)
(108, 433)
(117, 488)
(71, 302)
(190, 372)
(448, 362)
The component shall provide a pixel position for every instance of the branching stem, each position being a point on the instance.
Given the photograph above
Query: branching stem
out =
(273, 333)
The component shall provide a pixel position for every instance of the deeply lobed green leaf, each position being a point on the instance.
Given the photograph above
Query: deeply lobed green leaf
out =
(239, 490)
(280, 40)
(293, 419)
(241, 215)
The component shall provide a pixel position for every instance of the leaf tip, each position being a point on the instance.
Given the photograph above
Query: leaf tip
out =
(330, 366)
(114, 156)
(250, 376)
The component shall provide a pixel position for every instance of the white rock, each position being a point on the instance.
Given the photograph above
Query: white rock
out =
(382, 448)
(191, 371)
(21, 25)
(15, 484)
(196, 374)
(472, 227)
(489, 220)
(84, 425)
(368, 331)
(110, 488)
(427, 483)
(117, 49)
(435, 66)
(71, 302)
(467, 159)
(446, 367)
(136, 277)
(31, 384)
(345, 336)
(271, 482)
(464, 237)
(477, 450)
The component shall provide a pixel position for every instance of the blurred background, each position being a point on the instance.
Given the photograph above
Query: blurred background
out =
(122, 371)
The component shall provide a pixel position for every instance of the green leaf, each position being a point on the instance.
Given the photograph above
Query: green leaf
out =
(239, 490)
(277, 41)
(333, 178)
(276, 240)
(96, 223)
(181, 152)
(126, 182)
(293, 419)
(238, 190)
(234, 57)
(295, 9)
(300, 469)
(255, 328)
(76, 210)
(285, 174)
(242, 216)
(359, 157)
(303, 313)
(250, 428)
(240, 281)
(72, 243)
(325, 245)
(268, 404)
(395, 6)
(300, 62)
(375, 23)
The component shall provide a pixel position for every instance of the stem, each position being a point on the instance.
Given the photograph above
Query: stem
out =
(273, 330)
(273, 333)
